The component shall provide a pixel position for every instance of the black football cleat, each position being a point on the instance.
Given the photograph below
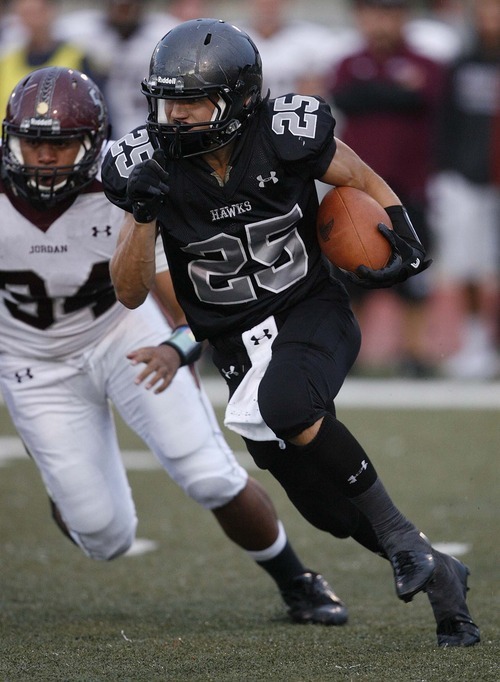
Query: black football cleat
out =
(310, 599)
(412, 572)
(454, 632)
(447, 592)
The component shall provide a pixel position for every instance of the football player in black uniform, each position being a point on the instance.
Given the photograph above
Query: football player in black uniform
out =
(228, 179)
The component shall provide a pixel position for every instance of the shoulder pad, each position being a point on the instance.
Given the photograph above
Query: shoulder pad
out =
(301, 126)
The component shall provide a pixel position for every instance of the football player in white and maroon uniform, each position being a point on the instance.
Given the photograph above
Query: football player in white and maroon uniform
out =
(231, 187)
(65, 340)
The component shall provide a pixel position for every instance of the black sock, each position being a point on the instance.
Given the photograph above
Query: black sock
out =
(279, 560)
(284, 567)
(393, 529)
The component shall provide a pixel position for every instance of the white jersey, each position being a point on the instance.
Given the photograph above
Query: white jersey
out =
(56, 296)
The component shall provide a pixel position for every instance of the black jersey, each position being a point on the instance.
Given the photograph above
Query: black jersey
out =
(241, 251)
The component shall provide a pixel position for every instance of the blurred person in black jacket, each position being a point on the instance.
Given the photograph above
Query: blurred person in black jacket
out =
(467, 195)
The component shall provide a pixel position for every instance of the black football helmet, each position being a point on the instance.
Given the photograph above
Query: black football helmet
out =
(53, 103)
(203, 58)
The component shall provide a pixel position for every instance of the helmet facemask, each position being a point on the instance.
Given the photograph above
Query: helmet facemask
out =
(45, 186)
(191, 139)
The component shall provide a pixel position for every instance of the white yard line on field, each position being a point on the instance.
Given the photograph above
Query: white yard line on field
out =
(356, 393)
(398, 394)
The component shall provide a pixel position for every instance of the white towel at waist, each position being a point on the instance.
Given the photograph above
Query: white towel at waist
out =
(242, 411)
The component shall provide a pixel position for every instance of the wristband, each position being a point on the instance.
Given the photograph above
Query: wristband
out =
(144, 212)
(402, 224)
(182, 339)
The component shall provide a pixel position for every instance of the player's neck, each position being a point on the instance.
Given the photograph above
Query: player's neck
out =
(219, 162)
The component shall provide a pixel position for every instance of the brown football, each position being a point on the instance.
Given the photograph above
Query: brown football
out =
(347, 229)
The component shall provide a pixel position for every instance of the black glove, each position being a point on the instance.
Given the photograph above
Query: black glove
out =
(407, 259)
(147, 187)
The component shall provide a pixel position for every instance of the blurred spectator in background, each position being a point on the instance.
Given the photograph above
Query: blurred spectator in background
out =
(33, 22)
(184, 10)
(295, 53)
(10, 31)
(466, 212)
(121, 37)
(388, 96)
(438, 30)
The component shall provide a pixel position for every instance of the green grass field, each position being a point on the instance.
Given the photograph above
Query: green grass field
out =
(197, 608)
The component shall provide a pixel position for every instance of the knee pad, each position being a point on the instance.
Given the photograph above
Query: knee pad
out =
(210, 475)
(100, 522)
(213, 492)
(109, 543)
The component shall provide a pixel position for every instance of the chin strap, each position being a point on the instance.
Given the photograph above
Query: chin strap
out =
(182, 339)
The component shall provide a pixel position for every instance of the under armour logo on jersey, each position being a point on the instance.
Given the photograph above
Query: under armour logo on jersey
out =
(272, 178)
(231, 372)
(106, 230)
(21, 376)
(354, 479)
(257, 339)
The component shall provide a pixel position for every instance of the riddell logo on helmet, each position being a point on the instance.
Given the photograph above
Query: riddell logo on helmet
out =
(46, 123)
(42, 122)
(166, 81)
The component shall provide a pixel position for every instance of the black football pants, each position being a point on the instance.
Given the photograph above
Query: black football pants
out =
(317, 343)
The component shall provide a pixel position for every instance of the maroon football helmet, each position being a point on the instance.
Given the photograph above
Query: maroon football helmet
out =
(53, 104)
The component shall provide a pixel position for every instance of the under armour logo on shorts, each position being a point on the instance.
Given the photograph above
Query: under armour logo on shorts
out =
(231, 372)
(21, 376)
(257, 339)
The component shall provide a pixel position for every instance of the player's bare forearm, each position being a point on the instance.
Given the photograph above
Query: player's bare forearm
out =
(165, 294)
(132, 266)
(349, 170)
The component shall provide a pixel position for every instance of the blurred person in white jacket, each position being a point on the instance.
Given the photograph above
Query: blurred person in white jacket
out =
(296, 53)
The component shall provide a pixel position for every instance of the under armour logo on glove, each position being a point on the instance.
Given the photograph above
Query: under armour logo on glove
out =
(257, 339)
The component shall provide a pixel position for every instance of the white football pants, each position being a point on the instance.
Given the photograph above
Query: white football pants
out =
(62, 412)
